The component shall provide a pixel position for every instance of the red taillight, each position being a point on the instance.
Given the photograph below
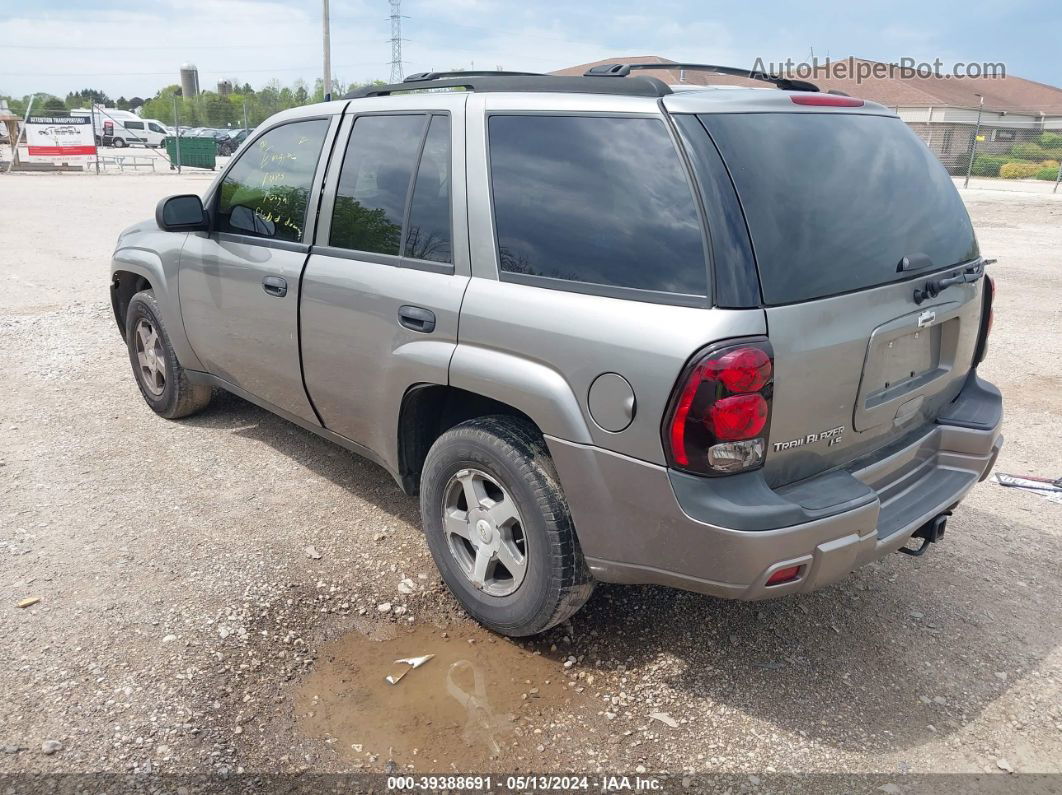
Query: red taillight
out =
(826, 100)
(721, 410)
(787, 574)
(738, 417)
(742, 369)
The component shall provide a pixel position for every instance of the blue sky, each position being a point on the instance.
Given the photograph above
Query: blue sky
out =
(134, 48)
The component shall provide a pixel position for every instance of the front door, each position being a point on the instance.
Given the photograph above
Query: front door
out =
(384, 283)
(239, 285)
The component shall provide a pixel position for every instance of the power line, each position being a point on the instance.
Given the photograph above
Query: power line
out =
(181, 47)
(218, 71)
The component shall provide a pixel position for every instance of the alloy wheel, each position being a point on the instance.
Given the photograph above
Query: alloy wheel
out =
(150, 357)
(484, 532)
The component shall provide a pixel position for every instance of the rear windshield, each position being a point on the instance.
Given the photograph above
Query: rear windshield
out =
(834, 202)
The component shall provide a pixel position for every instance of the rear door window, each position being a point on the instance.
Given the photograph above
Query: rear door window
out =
(374, 183)
(835, 201)
(267, 190)
(428, 230)
(379, 208)
(596, 200)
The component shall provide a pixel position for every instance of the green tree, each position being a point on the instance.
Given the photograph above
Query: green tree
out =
(52, 104)
(87, 97)
(300, 96)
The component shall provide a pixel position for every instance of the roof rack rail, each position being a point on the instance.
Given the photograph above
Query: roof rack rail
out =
(420, 77)
(645, 86)
(624, 69)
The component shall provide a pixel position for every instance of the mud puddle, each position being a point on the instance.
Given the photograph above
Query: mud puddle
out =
(478, 699)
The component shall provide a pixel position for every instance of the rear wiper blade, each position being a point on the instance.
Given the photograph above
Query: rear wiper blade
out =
(967, 275)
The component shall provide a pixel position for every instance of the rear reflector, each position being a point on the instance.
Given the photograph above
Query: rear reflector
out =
(827, 100)
(788, 574)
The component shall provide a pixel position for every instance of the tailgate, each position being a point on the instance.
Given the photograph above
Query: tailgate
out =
(856, 372)
(849, 215)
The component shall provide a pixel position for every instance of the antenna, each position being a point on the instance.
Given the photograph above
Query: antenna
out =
(396, 41)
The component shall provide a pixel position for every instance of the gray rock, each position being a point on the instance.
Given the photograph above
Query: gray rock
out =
(49, 747)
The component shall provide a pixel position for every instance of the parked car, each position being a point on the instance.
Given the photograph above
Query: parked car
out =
(608, 330)
(230, 141)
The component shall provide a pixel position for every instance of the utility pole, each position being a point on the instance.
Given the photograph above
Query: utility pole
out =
(327, 55)
(973, 143)
(95, 140)
(177, 139)
(396, 41)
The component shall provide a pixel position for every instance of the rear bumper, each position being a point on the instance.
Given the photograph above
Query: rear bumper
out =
(642, 523)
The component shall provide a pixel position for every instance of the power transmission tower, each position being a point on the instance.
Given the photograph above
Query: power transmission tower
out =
(396, 41)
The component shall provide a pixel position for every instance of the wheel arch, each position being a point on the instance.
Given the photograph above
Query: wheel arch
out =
(136, 268)
(532, 387)
(131, 272)
(427, 412)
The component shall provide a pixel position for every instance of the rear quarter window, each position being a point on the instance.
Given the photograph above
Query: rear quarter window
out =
(834, 201)
(595, 200)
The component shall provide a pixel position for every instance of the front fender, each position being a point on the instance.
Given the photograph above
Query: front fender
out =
(537, 390)
(152, 255)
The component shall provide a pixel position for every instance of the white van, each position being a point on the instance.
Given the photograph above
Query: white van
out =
(146, 132)
(120, 128)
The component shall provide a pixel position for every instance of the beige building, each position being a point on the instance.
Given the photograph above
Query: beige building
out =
(943, 111)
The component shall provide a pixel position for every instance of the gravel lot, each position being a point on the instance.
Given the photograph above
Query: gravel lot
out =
(184, 626)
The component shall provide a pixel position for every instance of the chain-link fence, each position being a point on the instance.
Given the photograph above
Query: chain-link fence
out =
(1000, 148)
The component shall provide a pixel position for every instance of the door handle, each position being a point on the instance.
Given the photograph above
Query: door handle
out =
(417, 318)
(275, 286)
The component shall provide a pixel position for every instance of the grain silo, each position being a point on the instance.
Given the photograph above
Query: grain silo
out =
(189, 80)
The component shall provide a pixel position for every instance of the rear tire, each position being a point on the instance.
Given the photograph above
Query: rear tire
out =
(162, 381)
(520, 521)
(118, 143)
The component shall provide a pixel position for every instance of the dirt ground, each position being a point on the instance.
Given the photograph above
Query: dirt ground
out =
(184, 625)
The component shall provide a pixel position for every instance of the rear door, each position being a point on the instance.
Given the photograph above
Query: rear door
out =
(384, 283)
(239, 284)
(849, 214)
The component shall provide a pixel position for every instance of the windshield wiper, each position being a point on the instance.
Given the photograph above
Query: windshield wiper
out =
(968, 275)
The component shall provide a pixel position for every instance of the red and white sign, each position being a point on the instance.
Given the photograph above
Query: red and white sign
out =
(58, 139)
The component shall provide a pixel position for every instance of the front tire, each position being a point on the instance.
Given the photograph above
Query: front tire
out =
(162, 381)
(499, 529)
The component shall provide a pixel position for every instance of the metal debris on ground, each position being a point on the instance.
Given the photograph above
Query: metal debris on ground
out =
(29, 601)
(1048, 488)
(663, 717)
(411, 662)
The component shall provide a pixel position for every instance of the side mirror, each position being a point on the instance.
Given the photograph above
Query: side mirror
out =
(184, 213)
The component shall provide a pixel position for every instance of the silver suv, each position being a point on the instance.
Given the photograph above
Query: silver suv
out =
(608, 329)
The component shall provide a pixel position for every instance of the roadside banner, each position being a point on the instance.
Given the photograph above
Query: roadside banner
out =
(58, 139)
